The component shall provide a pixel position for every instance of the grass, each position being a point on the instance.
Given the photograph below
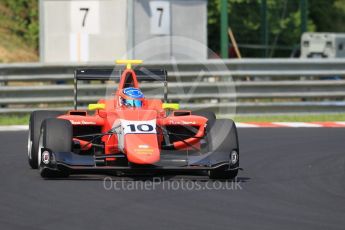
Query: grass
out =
(24, 118)
(13, 49)
(14, 119)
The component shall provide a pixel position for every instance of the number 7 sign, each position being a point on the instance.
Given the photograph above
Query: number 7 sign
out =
(85, 17)
(160, 17)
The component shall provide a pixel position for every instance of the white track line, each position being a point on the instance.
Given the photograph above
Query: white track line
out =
(13, 128)
(289, 124)
(297, 124)
(342, 123)
(245, 125)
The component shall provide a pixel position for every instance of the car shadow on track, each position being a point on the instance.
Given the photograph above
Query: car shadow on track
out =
(157, 177)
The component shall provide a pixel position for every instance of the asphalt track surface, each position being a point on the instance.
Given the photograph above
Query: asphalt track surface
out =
(293, 178)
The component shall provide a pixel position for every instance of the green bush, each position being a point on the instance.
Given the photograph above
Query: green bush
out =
(20, 17)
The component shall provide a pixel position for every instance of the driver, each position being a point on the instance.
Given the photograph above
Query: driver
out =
(132, 97)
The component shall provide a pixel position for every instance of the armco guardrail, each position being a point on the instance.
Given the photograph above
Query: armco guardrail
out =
(249, 86)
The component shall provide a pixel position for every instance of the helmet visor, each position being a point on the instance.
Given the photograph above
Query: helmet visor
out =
(133, 103)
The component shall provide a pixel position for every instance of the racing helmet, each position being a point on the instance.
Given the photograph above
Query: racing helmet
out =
(133, 97)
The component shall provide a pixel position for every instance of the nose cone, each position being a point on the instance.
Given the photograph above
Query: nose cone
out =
(142, 148)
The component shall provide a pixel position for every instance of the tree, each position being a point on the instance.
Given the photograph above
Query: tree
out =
(328, 16)
(284, 25)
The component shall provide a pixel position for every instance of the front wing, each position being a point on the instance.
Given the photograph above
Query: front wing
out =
(81, 164)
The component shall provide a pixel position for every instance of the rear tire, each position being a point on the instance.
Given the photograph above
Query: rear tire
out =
(211, 117)
(222, 137)
(56, 135)
(36, 119)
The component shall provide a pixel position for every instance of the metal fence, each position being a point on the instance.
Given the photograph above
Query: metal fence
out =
(247, 86)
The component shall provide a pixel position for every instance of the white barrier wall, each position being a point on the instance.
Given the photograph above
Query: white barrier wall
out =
(175, 29)
(82, 31)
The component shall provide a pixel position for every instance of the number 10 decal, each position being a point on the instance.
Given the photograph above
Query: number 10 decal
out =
(138, 126)
(141, 127)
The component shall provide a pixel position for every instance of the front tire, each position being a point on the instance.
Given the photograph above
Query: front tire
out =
(56, 135)
(222, 137)
(36, 119)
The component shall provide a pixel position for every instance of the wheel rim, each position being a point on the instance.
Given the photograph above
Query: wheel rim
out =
(29, 145)
(40, 146)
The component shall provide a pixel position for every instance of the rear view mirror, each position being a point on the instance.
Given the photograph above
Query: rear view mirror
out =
(96, 106)
(171, 106)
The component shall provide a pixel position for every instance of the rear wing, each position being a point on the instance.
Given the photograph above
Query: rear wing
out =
(102, 74)
(143, 74)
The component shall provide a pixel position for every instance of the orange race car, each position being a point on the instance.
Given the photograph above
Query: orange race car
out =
(130, 133)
